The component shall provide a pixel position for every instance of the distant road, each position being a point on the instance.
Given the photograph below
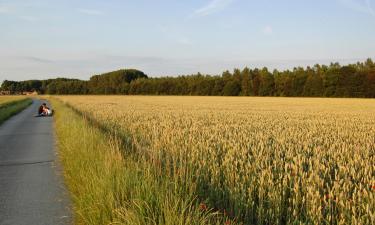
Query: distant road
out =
(31, 186)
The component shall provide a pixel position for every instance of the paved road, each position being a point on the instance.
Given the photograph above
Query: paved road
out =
(31, 186)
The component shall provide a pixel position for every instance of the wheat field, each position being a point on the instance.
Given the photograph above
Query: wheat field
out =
(11, 105)
(10, 98)
(258, 160)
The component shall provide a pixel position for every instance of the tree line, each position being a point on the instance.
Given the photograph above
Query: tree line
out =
(334, 80)
(115, 82)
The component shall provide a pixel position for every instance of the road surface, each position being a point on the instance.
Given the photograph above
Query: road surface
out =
(31, 185)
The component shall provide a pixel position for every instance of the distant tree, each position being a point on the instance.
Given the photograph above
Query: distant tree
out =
(227, 76)
(237, 75)
(298, 80)
(113, 82)
(314, 84)
(218, 86)
(267, 83)
(334, 80)
(369, 64)
(246, 83)
(345, 82)
(369, 84)
(331, 80)
(232, 88)
(255, 74)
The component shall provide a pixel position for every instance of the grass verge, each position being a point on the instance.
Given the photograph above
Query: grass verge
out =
(109, 187)
(9, 109)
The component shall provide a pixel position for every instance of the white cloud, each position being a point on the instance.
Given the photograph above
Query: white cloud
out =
(91, 12)
(213, 6)
(363, 6)
(267, 30)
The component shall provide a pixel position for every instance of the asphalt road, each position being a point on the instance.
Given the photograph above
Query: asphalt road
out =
(31, 185)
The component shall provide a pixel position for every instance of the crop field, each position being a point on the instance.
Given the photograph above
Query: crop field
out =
(11, 105)
(256, 160)
(5, 99)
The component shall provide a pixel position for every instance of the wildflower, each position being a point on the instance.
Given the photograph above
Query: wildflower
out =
(203, 207)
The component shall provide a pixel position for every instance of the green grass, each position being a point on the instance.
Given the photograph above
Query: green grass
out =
(9, 109)
(108, 186)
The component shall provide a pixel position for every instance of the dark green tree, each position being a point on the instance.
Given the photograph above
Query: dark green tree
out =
(232, 88)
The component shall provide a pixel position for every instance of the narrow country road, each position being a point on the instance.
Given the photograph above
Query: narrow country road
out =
(31, 184)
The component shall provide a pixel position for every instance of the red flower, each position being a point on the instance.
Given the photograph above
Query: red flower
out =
(227, 222)
(203, 207)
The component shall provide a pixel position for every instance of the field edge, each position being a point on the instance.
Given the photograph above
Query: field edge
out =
(106, 186)
(9, 109)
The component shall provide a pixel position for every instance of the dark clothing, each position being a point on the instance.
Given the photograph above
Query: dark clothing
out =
(40, 110)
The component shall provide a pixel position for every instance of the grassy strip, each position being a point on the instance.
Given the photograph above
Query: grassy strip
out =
(110, 188)
(11, 108)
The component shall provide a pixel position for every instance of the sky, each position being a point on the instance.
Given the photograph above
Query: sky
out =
(42, 39)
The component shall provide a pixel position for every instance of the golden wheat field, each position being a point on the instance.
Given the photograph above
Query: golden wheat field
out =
(5, 99)
(263, 160)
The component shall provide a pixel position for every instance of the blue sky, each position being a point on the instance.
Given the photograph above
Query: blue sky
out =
(78, 38)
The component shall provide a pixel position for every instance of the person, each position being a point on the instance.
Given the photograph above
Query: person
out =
(40, 110)
(45, 110)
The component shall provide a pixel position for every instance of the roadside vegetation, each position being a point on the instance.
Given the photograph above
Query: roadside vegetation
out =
(11, 105)
(110, 186)
(254, 160)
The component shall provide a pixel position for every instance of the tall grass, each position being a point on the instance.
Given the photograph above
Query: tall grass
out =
(11, 106)
(110, 187)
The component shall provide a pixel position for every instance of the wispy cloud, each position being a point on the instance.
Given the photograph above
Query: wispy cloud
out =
(35, 59)
(213, 6)
(363, 6)
(91, 12)
(267, 30)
